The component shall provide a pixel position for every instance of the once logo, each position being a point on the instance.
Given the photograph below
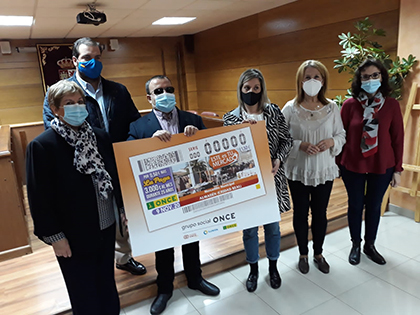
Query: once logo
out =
(161, 202)
(224, 217)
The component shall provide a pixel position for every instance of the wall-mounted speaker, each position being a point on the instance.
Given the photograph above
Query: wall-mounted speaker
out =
(113, 44)
(5, 48)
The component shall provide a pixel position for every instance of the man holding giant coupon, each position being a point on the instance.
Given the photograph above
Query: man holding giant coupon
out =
(162, 122)
(184, 189)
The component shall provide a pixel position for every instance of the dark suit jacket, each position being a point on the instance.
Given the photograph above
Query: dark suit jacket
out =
(146, 126)
(119, 106)
(62, 199)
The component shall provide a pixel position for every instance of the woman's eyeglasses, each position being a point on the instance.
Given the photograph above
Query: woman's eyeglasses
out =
(168, 89)
(374, 76)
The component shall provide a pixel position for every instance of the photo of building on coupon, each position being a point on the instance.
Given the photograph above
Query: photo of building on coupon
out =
(197, 178)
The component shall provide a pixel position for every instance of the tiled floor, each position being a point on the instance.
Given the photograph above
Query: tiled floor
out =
(369, 289)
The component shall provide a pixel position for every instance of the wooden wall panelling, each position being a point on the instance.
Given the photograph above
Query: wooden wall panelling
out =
(227, 36)
(14, 238)
(133, 64)
(321, 42)
(306, 14)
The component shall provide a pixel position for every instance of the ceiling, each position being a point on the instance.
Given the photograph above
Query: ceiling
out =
(125, 18)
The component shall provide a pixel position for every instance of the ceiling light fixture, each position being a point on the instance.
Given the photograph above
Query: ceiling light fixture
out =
(173, 20)
(13, 20)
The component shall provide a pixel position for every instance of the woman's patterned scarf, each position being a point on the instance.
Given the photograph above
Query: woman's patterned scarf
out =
(369, 144)
(87, 159)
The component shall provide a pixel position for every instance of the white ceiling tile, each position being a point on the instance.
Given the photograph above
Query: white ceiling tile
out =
(17, 3)
(62, 3)
(57, 18)
(154, 30)
(208, 5)
(20, 11)
(121, 4)
(42, 12)
(166, 4)
(19, 32)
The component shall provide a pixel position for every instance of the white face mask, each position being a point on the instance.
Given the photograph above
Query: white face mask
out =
(312, 87)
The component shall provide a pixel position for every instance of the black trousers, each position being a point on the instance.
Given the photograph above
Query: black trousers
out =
(165, 267)
(317, 199)
(365, 191)
(90, 279)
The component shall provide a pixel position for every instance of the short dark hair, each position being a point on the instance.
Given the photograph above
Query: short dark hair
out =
(356, 85)
(159, 76)
(84, 41)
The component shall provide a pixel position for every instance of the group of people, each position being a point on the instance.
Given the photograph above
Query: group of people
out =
(75, 198)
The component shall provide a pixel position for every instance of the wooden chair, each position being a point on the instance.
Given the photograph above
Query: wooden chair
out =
(414, 190)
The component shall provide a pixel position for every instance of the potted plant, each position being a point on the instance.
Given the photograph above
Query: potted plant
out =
(359, 46)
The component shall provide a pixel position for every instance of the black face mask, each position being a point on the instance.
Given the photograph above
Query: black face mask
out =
(251, 98)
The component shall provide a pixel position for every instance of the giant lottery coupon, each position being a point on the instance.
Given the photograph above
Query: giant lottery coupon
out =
(216, 182)
(192, 179)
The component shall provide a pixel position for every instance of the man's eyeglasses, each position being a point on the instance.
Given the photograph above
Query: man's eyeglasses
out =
(374, 76)
(169, 89)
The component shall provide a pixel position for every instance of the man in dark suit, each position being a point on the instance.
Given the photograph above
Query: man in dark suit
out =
(110, 108)
(165, 120)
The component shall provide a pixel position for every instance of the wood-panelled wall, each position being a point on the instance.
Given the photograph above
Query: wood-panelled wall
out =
(277, 42)
(133, 64)
(408, 43)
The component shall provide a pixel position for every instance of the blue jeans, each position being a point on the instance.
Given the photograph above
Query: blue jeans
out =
(365, 191)
(272, 242)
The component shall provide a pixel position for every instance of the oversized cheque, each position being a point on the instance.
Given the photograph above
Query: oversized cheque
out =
(216, 182)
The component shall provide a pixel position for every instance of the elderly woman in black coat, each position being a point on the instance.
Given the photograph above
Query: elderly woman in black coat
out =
(73, 190)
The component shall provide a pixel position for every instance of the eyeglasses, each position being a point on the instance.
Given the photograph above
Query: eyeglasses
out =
(169, 89)
(374, 76)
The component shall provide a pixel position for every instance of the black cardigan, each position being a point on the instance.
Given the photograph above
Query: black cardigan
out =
(61, 199)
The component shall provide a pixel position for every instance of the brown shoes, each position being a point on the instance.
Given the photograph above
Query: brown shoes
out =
(322, 264)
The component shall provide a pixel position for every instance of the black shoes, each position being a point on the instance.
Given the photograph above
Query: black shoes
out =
(303, 265)
(206, 288)
(251, 282)
(370, 251)
(354, 257)
(134, 267)
(322, 264)
(159, 304)
(275, 280)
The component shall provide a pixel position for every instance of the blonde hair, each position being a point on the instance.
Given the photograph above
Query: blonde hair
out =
(300, 94)
(246, 76)
(62, 88)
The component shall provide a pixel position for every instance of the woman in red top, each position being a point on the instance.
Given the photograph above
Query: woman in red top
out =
(372, 156)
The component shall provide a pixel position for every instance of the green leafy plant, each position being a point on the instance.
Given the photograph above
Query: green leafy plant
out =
(359, 46)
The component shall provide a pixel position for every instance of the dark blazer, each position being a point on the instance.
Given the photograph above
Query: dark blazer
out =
(146, 126)
(62, 199)
(120, 108)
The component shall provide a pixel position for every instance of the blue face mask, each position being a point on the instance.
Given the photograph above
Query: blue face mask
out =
(165, 102)
(75, 115)
(92, 68)
(371, 86)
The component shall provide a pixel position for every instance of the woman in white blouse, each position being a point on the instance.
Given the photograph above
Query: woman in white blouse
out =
(316, 127)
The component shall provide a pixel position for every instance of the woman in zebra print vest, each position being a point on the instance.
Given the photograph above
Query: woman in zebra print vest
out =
(254, 105)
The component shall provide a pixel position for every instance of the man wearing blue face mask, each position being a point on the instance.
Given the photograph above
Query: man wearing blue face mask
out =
(164, 121)
(109, 107)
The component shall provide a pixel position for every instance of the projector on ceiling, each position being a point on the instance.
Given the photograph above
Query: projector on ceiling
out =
(91, 16)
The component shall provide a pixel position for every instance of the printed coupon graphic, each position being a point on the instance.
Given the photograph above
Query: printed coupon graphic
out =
(192, 179)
